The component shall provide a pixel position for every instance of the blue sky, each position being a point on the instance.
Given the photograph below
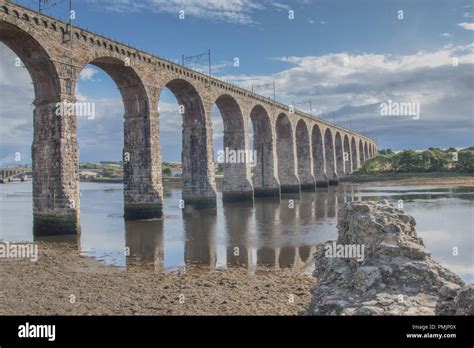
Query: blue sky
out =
(404, 60)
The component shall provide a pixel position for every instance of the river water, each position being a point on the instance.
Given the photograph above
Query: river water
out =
(272, 233)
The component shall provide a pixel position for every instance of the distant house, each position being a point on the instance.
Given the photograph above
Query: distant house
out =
(89, 175)
(177, 173)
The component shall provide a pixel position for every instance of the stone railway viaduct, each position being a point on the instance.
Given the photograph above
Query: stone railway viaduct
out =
(294, 150)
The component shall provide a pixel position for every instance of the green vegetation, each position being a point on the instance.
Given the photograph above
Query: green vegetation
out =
(169, 170)
(432, 160)
(104, 169)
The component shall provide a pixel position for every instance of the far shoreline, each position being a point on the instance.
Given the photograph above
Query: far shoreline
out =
(447, 179)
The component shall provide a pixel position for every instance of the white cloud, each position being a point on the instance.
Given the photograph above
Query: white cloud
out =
(231, 11)
(467, 26)
(446, 35)
(355, 92)
(279, 5)
(88, 73)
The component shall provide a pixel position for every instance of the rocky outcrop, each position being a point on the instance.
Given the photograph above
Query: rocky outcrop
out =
(379, 266)
(456, 300)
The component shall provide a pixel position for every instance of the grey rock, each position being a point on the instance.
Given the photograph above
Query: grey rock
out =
(397, 275)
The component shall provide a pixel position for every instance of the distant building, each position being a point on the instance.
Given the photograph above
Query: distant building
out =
(89, 175)
(177, 173)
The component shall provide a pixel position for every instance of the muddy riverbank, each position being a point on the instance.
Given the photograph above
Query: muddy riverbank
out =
(62, 282)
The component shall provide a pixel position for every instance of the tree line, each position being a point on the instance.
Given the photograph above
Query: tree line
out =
(427, 161)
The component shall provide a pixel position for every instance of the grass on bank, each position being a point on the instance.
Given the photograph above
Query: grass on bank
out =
(431, 161)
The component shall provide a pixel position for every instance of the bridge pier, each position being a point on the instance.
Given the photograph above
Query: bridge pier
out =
(236, 186)
(286, 159)
(304, 158)
(289, 182)
(334, 180)
(265, 181)
(56, 175)
(235, 156)
(199, 187)
(143, 191)
(330, 157)
(322, 180)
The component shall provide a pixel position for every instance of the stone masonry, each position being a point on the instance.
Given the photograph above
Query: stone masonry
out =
(55, 55)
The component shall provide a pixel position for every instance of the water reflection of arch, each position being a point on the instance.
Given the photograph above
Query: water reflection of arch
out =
(356, 193)
(265, 216)
(237, 225)
(348, 193)
(305, 257)
(273, 220)
(288, 220)
(288, 213)
(144, 238)
(331, 201)
(305, 207)
(340, 198)
(296, 257)
(200, 237)
(322, 203)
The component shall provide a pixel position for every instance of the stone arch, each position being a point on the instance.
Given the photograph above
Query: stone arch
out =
(198, 188)
(303, 152)
(265, 182)
(330, 157)
(319, 168)
(36, 59)
(143, 192)
(129, 83)
(355, 164)
(366, 151)
(286, 155)
(361, 152)
(339, 154)
(235, 155)
(347, 156)
(54, 149)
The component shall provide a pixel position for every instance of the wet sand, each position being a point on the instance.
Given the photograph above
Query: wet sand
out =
(45, 288)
